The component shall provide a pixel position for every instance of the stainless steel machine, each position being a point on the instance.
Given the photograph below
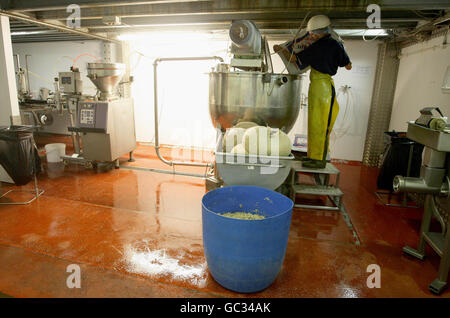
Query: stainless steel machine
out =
(105, 123)
(50, 112)
(245, 90)
(53, 111)
(266, 99)
(23, 79)
(248, 90)
(432, 132)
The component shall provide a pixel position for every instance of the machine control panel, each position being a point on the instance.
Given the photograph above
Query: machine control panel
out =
(87, 115)
(70, 82)
(92, 114)
(66, 80)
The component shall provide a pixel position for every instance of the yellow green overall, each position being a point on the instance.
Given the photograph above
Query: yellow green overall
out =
(323, 109)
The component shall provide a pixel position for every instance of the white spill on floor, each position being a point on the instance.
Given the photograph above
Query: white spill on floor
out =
(158, 262)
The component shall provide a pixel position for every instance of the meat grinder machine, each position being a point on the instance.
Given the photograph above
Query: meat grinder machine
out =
(434, 183)
(432, 131)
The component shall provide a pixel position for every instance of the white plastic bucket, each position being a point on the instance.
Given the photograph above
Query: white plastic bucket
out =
(54, 152)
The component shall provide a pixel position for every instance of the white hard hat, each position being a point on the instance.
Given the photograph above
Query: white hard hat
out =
(318, 22)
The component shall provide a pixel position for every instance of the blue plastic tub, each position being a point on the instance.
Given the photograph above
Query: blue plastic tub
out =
(245, 255)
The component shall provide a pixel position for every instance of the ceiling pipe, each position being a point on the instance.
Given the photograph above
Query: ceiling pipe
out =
(35, 5)
(62, 28)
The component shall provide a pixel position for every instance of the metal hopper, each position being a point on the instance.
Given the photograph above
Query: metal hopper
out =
(106, 77)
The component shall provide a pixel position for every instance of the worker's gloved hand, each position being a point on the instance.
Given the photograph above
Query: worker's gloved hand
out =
(276, 48)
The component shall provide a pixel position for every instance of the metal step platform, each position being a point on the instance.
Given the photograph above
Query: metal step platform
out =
(317, 190)
(329, 168)
(322, 186)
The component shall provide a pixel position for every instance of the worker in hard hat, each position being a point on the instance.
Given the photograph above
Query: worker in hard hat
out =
(324, 56)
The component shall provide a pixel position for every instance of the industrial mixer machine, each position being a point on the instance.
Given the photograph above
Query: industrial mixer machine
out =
(247, 90)
(244, 91)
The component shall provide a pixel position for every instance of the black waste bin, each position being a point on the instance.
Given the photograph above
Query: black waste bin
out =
(18, 153)
(396, 158)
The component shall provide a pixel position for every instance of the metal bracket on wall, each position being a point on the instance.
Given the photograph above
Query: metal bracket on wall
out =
(382, 101)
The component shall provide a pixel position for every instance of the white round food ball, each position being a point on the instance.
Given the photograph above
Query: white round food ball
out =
(257, 140)
(280, 143)
(239, 149)
(233, 137)
(245, 124)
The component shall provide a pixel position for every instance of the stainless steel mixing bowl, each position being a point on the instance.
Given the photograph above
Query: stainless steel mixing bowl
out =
(264, 98)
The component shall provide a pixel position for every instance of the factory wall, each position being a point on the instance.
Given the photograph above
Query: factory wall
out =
(182, 88)
(349, 134)
(419, 82)
(49, 58)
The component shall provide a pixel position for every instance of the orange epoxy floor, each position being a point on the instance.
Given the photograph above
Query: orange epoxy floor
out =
(138, 234)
